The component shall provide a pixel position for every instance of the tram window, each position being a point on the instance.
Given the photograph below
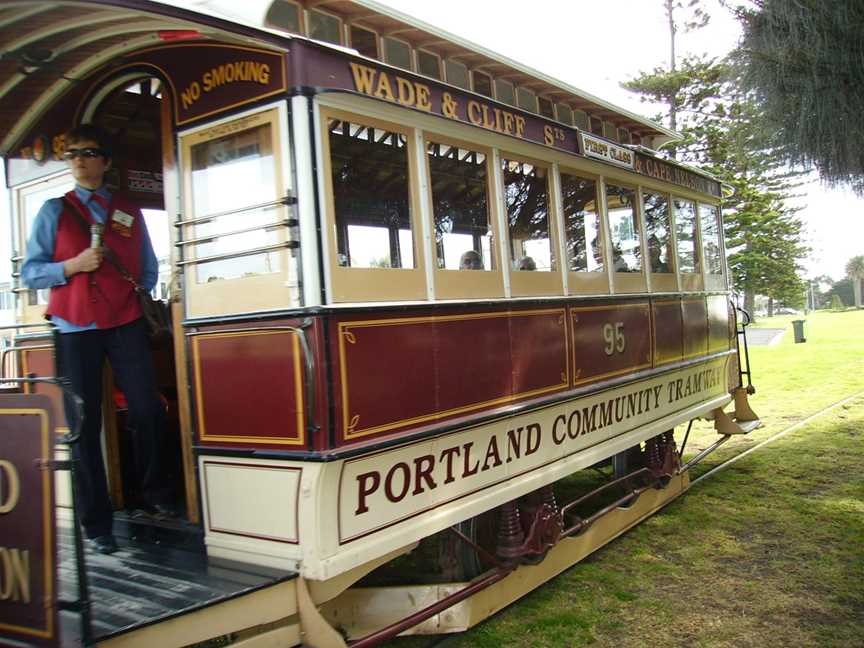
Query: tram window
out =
(581, 119)
(544, 107)
(655, 210)
(325, 27)
(623, 229)
(364, 41)
(635, 139)
(284, 15)
(371, 198)
(244, 219)
(428, 64)
(610, 131)
(460, 206)
(526, 193)
(582, 224)
(685, 232)
(397, 53)
(504, 92)
(564, 114)
(526, 99)
(596, 125)
(457, 74)
(623, 136)
(482, 83)
(711, 239)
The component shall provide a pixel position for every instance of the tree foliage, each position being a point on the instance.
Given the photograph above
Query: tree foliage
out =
(855, 271)
(804, 61)
(717, 119)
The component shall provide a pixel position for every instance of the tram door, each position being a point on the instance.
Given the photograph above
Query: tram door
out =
(135, 112)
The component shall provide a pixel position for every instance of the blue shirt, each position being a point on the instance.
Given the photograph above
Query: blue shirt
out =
(41, 271)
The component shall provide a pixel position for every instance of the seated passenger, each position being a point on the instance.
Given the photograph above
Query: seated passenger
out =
(526, 263)
(618, 262)
(471, 261)
(657, 264)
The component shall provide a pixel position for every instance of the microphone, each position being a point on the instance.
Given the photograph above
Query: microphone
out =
(96, 235)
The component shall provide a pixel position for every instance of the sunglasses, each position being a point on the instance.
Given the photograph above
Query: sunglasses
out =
(71, 154)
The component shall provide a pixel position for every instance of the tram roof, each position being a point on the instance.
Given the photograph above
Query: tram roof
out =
(48, 45)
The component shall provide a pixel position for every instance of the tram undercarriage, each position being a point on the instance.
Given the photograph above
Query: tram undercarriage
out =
(447, 582)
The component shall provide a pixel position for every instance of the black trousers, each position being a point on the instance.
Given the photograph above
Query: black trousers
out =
(80, 358)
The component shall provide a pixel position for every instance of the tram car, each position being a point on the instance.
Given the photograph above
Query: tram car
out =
(436, 320)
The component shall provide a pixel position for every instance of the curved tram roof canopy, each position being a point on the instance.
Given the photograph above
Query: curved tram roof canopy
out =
(49, 46)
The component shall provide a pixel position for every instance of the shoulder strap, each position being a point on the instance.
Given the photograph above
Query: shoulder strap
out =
(109, 253)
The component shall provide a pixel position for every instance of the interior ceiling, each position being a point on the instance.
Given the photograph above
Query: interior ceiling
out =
(48, 45)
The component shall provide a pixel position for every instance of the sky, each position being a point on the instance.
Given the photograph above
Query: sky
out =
(596, 45)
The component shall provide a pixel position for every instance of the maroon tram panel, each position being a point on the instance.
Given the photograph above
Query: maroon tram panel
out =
(668, 331)
(695, 317)
(718, 323)
(610, 340)
(249, 385)
(402, 373)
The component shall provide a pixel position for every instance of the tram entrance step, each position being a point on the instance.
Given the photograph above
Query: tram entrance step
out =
(145, 584)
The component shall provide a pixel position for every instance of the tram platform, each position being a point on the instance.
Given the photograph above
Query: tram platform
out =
(160, 574)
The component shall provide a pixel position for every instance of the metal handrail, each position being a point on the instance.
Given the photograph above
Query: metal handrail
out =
(286, 222)
(242, 253)
(13, 349)
(209, 217)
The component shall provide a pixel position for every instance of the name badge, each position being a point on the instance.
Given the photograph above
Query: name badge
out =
(121, 222)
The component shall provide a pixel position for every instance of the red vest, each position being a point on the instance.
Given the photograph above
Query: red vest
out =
(102, 296)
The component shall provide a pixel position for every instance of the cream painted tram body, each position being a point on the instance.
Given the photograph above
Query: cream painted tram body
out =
(343, 392)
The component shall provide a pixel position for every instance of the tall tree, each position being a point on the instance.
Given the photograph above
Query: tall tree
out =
(855, 271)
(716, 118)
(803, 60)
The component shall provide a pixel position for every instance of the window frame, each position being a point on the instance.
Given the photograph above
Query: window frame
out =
(586, 282)
(352, 26)
(475, 73)
(495, 82)
(437, 58)
(712, 281)
(688, 281)
(626, 282)
(450, 61)
(385, 56)
(525, 283)
(454, 283)
(347, 284)
(307, 25)
(301, 18)
(243, 294)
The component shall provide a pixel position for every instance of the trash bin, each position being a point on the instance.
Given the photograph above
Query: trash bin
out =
(798, 326)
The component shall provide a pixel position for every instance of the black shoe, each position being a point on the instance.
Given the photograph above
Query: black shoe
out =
(104, 544)
(164, 512)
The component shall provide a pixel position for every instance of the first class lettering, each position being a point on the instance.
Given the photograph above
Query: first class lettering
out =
(600, 415)
(225, 74)
(15, 576)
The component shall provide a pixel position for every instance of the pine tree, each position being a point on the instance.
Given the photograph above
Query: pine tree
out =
(803, 61)
(716, 119)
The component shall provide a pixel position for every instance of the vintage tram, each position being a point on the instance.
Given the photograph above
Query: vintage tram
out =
(417, 290)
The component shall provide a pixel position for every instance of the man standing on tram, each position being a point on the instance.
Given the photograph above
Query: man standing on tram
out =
(98, 315)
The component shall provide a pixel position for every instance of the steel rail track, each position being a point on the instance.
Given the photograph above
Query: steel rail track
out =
(771, 439)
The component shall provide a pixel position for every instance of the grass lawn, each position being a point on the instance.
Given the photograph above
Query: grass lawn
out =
(769, 552)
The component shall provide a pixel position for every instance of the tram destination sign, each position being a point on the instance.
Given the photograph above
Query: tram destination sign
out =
(379, 491)
(328, 69)
(28, 612)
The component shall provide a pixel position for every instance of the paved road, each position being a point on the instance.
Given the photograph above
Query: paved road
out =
(764, 336)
